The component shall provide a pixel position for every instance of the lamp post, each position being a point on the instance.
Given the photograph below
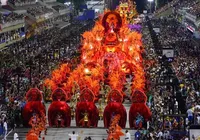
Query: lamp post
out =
(150, 1)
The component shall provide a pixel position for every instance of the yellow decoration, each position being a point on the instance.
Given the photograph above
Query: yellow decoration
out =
(127, 10)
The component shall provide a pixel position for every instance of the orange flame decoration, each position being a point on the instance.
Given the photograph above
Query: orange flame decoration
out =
(58, 78)
(115, 131)
(38, 125)
(123, 56)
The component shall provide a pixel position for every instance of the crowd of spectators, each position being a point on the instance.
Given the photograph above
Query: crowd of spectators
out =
(166, 6)
(187, 4)
(194, 9)
(62, 18)
(18, 33)
(49, 23)
(186, 64)
(59, 7)
(39, 10)
(26, 63)
(10, 17)
(191, 6)
(156, 91)
(181, 96)
(21, 2)
(11, 35)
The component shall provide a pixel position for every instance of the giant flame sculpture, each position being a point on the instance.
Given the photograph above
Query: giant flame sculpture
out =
(109, 52)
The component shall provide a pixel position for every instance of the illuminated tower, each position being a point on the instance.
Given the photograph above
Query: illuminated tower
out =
(127, 9)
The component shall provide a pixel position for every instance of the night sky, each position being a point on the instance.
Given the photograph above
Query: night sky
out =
(140, 5)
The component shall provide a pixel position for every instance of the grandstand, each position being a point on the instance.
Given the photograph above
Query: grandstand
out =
(21, 15)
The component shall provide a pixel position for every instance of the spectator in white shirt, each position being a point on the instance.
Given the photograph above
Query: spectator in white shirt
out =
(5, 127)
(128, 135)
(198, 119)
(166, 134)
(73, 136)
(16, 137)
(160, 135)
(190, 115)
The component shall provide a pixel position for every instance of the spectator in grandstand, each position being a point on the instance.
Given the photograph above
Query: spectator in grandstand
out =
(5, 128)
(21, 2)
(73, 136)
(39, 10)
(1, 126)
(137, 135)
(128, 135)
(10, 17)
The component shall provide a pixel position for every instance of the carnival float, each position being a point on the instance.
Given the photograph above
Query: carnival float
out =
(34, 106)
(110, 71)
(60, 109)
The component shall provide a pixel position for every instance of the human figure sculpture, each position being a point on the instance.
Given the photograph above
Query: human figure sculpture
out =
(34, 106)
(59, 113)
(87, 113)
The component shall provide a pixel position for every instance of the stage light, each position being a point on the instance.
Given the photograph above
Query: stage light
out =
(98, 39)
(110, 49)
(87, 71)
(84, 57)
(126, 39)
(91, 47)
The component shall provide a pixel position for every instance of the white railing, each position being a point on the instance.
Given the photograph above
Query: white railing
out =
(23, 4)
(64, 11)
(44, 16)
(8, 24)
(49, 0)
